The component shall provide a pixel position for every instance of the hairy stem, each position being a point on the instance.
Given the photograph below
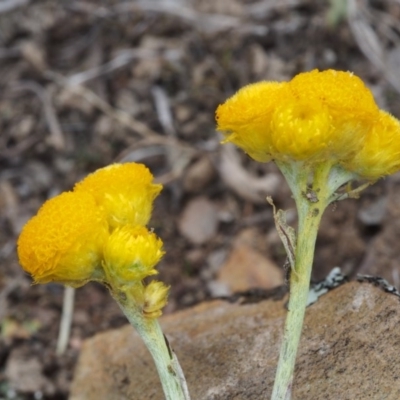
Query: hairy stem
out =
(311, 203)
(168, 368)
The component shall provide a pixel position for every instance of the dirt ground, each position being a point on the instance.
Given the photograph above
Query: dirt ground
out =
(88, 83)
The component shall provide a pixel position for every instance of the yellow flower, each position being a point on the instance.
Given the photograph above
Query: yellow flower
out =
(63, 242)
(131, 253)
(124, 191)
(342, 92)
(316, 116)
(301, 130)
(351, 106)
(380, 154)
(245, 118)
(155, 298)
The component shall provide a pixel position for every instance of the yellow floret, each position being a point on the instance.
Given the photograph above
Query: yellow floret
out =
(380, 154)
(350, 103)
(124, 191)
(339, 90)
(155, 298)
(301, 131)
(131, 254)
(245, 118)
(62, 243)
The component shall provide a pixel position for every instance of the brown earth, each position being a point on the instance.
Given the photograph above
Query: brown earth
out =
(88, 83)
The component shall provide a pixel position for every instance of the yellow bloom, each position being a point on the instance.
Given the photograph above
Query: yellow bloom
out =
(124, 191)
(316, 116)
(62, 243)
(342, 92)
(380, 154)
(351, 106)
(245, 118)
(301, 130)
(131, 253)
(155, 298)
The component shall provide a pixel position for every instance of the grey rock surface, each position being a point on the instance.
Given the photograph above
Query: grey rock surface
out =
(349, 350)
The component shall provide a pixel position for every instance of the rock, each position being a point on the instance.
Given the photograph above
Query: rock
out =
(25, 374)
(247, 268)
(199, 175)
(374, 214)
(199, 220)
(383, 251)
(228, 351)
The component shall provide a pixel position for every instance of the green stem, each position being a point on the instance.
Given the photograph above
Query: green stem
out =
(310, 211)
(169, 370)
(299, 288)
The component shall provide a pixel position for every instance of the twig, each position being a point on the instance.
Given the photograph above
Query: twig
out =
(66, 320)
(139, 154)
(163, 109)
(9, 52)
(210, 23)
(8, 287)
(20, 147)
(56, 139)
(9, 5)
(120, 116)
(263, 9)
(179, 153)
(121, 60)
(237, 178)
(369, 43)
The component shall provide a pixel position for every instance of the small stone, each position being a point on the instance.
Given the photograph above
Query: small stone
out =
(247, 268)
(199, 221)
(374, 214)
(25, 374)
(198, 175)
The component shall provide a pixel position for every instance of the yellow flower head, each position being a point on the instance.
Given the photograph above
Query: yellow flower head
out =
(380, 154)
(351, 106)
(155, 298)
(124, 191)
(316, 116)
(246, 117)
(62, 243)
(295, 121)
(131, 254)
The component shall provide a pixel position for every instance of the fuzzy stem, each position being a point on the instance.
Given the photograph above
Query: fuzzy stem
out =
(299, 287)
(310, 211)
(169, 370)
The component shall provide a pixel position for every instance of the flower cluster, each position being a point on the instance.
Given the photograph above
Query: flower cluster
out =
(98, 232)
(317, 116)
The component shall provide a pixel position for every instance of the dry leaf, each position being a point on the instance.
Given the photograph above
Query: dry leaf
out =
(249, 187)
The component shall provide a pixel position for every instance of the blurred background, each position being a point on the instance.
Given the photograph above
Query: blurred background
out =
(88, 83)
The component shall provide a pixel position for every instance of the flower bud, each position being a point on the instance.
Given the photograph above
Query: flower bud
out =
(131, 253)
